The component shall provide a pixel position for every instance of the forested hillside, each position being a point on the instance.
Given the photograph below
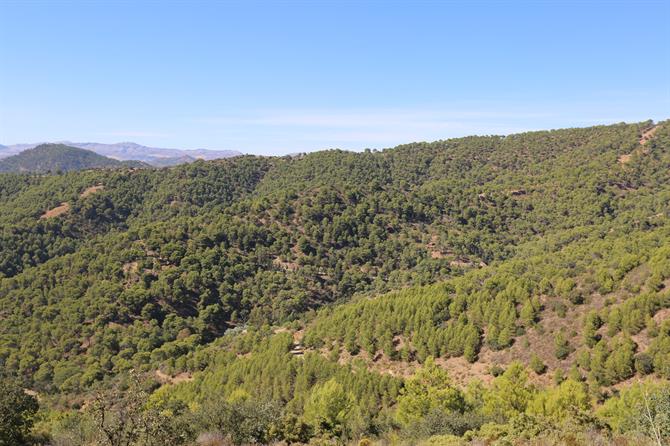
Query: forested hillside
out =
(494, 288)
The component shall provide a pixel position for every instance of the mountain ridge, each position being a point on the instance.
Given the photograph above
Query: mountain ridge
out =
(60, 158)
(125, 151)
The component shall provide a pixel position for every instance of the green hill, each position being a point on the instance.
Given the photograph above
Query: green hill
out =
(60, 158)
(260, 285)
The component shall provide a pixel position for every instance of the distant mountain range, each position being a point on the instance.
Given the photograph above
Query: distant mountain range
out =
(158, 157)
(59, 157)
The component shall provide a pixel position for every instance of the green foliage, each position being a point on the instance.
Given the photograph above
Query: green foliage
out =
(569, 399)
(652, 415)
(414, 315)
(592, 323)
(332, 399)
(458, 248)
(242, 420)
(537, 365)
(644, 364)
(619, 365)
(17, 411)
(509, 394)
(121, 418)
(330, 409)
(429, 391)
(660, 351)
(643, 408)
(562, 346)
(203, 247)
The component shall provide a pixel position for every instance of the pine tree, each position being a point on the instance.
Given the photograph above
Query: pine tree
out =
(17, 410)
(537, 365)
(559, 376)
(509, 393)
(504, 338)
(429, 390)
(562, 346)
(620, 363)
(568, 400)
(614, 322)
(597, 361)
(351, 344)
(574, 374)
(592, 323)
(330, 408)
(387, 345)
(528, 313)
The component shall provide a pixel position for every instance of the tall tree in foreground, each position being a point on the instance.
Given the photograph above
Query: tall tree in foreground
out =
(429, 390)
(123, 417)
(17, 409)
(330, 409)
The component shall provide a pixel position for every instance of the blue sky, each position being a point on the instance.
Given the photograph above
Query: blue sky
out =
(281, 77)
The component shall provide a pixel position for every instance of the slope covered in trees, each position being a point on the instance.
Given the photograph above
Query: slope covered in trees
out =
(466, 255)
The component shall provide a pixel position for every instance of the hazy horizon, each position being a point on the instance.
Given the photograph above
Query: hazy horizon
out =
(288, 152)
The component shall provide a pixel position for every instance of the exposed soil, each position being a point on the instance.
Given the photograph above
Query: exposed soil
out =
(625, 159)
(286, 266)
(648, 134)
(164, 378)
(91, 190)
(63, 208)
(462, 372)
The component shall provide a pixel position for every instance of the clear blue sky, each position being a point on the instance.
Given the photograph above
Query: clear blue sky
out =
(280, 77)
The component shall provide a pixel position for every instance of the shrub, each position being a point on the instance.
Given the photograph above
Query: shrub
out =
(537, 365)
